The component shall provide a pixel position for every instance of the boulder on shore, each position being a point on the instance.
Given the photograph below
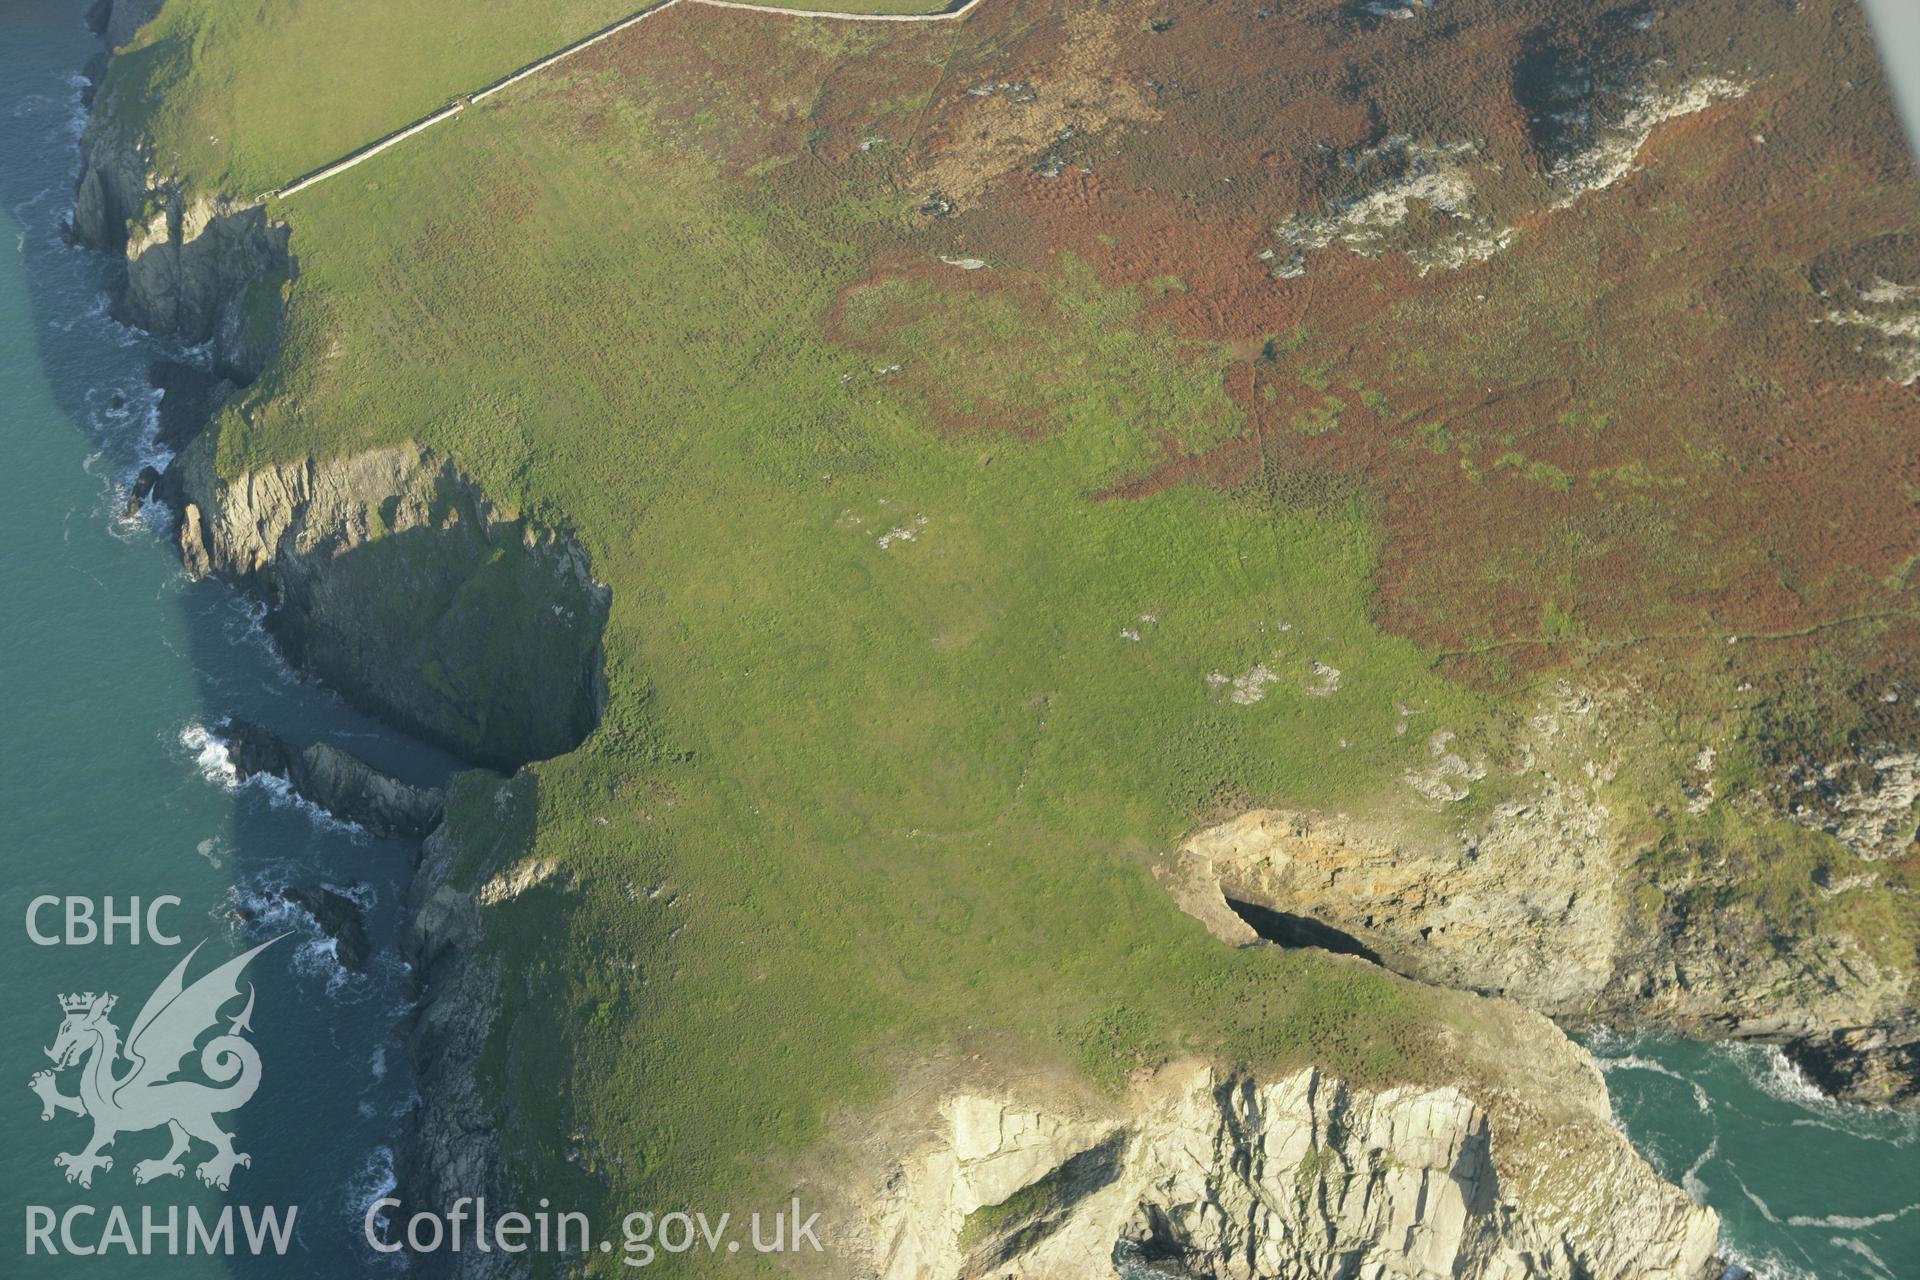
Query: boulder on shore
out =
(1868, 1066)
(143, 486)
(338, 918)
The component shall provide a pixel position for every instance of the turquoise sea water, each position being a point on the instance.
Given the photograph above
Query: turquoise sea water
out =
(112, 665)
(1807, 1189)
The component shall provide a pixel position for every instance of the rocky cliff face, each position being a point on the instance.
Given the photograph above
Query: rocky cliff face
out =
(391, 577)
(1213, 1174)
(1533, 898)
(338, 781)
(1524, 907)
(388, 575)
(201, 267)
(455, 1146)
(117, 20)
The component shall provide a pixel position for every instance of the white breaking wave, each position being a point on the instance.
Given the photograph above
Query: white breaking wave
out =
(1845, 1223)
(249, 626)
(376, 1181)
(1796, 1245)
(212, 755)
(1881, 1270)
(1775, 1267)
(317, 956)
(1634, 1062)
(1758, 1203)
(1898, 1130)
(1768, 1069)
(1614, 1051)
(77, 111)
(360, 893)
(1769, 1266)
(1690, 1180)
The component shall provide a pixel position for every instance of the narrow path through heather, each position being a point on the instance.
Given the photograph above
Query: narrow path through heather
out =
(461, 103)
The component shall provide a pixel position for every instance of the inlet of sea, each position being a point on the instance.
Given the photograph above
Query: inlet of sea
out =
(1807, 1189)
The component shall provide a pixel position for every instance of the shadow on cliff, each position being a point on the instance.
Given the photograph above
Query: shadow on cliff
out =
(1283, 928)
(336, 1090)
(484, 646)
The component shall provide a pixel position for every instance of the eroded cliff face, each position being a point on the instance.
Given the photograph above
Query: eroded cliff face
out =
(1539, 898)
(202, 267)
(388, 575)
(454, 1149)
(391, 577)
(1525, 907)
(1205, 1173)
(117, 20)
(1529, 904)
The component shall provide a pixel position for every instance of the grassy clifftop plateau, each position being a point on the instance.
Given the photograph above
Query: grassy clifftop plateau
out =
(1014, 443)
(243, 98)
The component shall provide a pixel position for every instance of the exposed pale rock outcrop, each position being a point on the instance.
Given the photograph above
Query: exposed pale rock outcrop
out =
(1522, 906)
(1870, 803)
(390, 576)
(1612, 141)
(1206, 1173)
(1396, 175)
(1529, 904)
(1541, 898)
(1590, 132)
(1891, 313)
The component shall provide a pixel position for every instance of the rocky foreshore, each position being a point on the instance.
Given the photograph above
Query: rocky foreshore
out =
(1204, 1172)
(337, 781)
(1528, 903)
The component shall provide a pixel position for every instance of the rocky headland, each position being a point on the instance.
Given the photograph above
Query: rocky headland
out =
(1209, 1173)
(390, 575)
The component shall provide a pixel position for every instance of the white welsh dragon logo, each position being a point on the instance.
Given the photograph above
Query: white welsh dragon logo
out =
(147, 1096)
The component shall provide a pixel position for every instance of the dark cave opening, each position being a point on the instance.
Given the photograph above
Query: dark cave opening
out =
(1288, 930)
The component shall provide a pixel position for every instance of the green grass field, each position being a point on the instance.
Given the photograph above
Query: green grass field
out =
(903, 797)
(900, 716)
(244, 98)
